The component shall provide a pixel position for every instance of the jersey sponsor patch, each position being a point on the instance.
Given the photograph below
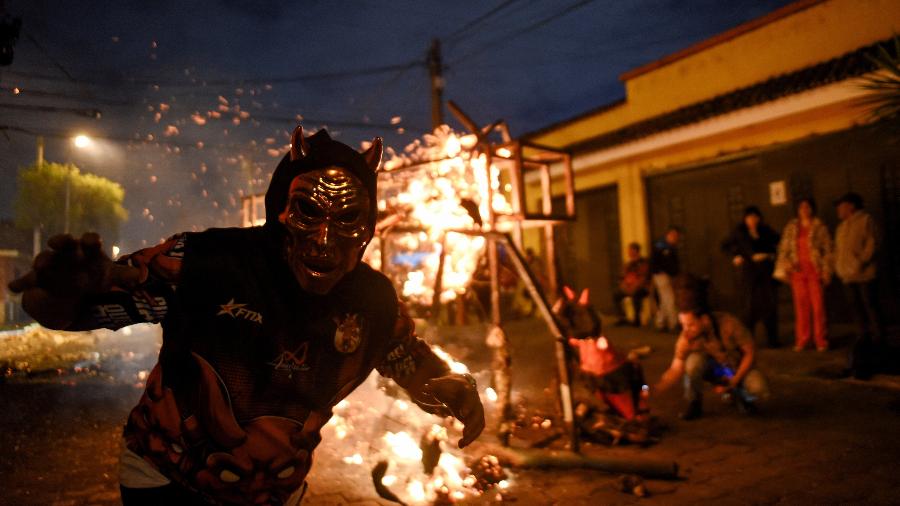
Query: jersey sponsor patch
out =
(292, 360)
(239, 312)
(348, 334)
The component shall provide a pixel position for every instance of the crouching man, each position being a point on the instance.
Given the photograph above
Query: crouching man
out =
(265, 329)
(714, 347)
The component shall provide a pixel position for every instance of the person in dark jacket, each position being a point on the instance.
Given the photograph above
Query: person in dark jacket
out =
(664, 268)
(265, 330)
(634, 283)
(752, 247)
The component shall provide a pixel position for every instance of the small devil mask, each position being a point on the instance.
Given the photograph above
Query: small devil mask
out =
(329, 212)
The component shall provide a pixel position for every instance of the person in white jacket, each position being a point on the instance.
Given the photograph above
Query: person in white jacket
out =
(855, 248)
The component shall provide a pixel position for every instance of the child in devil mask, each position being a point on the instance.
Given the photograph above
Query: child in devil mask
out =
(614, 378)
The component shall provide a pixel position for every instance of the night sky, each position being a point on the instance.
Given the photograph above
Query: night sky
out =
(198, 98)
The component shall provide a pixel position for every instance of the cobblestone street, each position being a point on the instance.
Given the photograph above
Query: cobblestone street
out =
(818, 441)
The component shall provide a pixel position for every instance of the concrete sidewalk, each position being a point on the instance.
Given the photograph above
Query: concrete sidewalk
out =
(818, 441)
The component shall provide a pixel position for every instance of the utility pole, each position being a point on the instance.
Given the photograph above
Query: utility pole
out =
(435, 71)
(36, 234)
(40, 150)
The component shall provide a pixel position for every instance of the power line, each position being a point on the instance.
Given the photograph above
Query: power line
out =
(56, 134)
(533, 26)
(319, 76)
(47, 55)
(336, 123)
(90, 113)
(457, 34)
(366, 104)
(55, 94)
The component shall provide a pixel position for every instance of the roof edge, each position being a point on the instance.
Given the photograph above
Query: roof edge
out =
(584, 115)
(850, 65)
(723, 37)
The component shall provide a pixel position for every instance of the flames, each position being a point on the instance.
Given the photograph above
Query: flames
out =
(371, 426)
(439, 185)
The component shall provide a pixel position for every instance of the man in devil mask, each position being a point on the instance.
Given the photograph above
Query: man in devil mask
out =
(265, 329)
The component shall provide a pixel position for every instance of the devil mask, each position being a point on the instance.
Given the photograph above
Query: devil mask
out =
(324, 194)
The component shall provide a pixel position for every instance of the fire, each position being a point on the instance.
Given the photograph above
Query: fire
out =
(354, 459)
(403, 445)
(416, 490)
(437, 187)
(457, 367)
(370, 426)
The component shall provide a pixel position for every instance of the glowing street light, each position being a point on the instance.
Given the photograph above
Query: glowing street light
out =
(82, 141)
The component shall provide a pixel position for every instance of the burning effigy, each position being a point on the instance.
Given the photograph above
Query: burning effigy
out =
(429, 196)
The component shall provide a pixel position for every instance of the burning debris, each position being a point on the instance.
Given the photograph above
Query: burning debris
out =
(631, 484)
(487, 473)
(438, 186)
(410, 452)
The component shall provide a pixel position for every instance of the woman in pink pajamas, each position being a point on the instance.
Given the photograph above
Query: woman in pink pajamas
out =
(805, 260)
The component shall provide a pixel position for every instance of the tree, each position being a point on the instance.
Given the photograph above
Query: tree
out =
(95, 202)
(884, 86)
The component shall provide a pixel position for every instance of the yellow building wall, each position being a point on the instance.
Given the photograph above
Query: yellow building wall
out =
(810, 36)
(806, 38)
(815, 34)
(629, 173)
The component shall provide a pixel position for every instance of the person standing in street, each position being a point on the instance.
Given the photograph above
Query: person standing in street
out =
(752, 246)
(855, 248)
(805, 258)
(634, 283)
(664, 267)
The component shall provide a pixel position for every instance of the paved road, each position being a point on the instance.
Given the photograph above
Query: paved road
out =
(819, 441)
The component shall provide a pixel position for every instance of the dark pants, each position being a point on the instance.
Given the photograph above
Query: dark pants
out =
(169, 495)
(863, 301)
(762, 303)
(175, 495)
(637, 298)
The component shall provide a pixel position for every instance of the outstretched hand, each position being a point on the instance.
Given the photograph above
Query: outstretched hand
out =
(459, 396)
(63, 275)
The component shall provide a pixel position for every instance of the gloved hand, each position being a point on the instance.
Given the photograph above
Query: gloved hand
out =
(64, 275)
(459, 395)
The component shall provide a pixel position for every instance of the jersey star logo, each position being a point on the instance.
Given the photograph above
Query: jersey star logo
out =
(235, 310)
(229, 308)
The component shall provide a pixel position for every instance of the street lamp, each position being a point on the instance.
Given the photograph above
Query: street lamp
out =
(80, 141)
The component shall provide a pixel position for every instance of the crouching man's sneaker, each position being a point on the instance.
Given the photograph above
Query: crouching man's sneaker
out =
(694, 411)
(745, 407)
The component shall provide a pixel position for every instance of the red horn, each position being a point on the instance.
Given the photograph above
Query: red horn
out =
(585, 298)
(299, 147)
(570, 295)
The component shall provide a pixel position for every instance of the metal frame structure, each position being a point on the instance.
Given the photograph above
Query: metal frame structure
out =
(515, 159)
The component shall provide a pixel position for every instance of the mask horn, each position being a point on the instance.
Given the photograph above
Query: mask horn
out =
(585, 297)
(373, 154)
(299, 147)
(570, 295)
